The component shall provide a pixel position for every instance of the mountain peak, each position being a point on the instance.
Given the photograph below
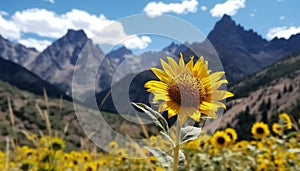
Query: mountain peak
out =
(227, 23)
(119, 53)
(226, 18)
(75, 35)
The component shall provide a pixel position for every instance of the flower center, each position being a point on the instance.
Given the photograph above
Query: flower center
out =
(186, 90)
(221, 140)
(260, 130)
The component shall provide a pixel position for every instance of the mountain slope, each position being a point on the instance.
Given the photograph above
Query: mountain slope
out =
(274, 90)
(25, 80)
(64, 121)
(17, 53)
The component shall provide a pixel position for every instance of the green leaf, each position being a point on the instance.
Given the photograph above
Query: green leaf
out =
(291, 134)
(165, 159)
(158, 119)
(167, 137)
(189, 133)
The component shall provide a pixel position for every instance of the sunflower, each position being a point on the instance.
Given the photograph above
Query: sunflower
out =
(113, 145)
(27, 165)
(285, 119)
(232, 134)
(260, 130)
(188, 90)
(241, 146)
(220, 139)
(277, 128)
(56, 144)
(90, 166)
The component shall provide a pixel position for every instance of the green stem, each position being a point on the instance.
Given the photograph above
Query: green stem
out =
(177, 146)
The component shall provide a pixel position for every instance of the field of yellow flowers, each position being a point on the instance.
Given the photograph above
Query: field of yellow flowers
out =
(274, 147)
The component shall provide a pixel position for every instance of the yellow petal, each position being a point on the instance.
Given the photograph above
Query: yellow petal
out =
(181, 61)
(159, 97)
(216, 76)
(218, 84)
(196, 116)
(198, 66)
(171, 113)
(190, 64)
(173, 64)
(221, 94)
(173, 108)
(209, 113)
(162, 107)
(220, 104)
(167, 68)
(154, 83)
(208, 106)
(160, 74)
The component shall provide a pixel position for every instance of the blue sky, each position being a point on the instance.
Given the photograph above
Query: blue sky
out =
(36, 23)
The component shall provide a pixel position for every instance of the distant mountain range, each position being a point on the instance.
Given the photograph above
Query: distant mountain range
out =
(242, 53)
(245, 52)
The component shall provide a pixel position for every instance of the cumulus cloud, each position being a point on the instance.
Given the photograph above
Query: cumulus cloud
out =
(8, 29)
(41, 22)
(39, 45)
(48, 24)
(155, 9)
(230, 7)
(137, 43)
(282, 32)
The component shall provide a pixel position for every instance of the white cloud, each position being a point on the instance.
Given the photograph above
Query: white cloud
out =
(203, 8)
(51, 1)
(155, 9)
(3, 13)
(40, 21)
(282, 17)
(230, 7)
(40, 45)
(8, 29)
(48, 24)
(252, 15)
(137, 43)
(282, 32)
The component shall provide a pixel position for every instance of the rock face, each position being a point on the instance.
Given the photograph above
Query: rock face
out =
(57, 62)
(17, 53)
(244, 52)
